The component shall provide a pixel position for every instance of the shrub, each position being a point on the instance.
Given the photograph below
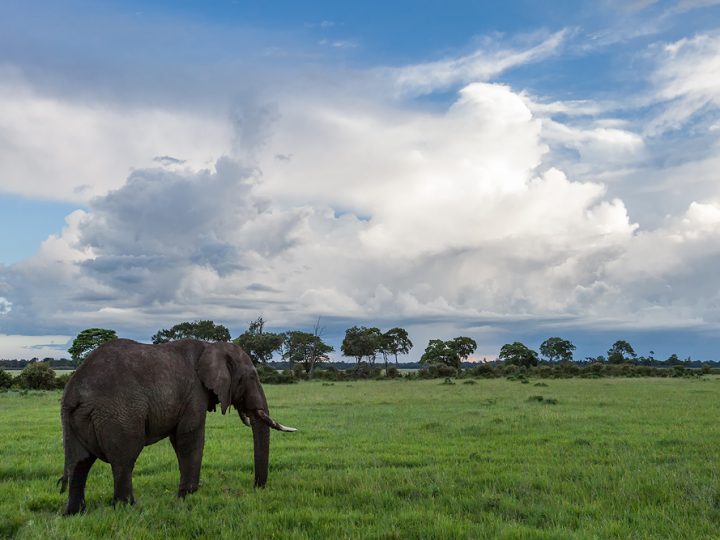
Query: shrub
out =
(6, 379)
(363, 370)
(678, 371)
(269, 375)
(484, 370)
(329, 373)
(392, 372)
(37, 376)
(62, 380)
(437, 371)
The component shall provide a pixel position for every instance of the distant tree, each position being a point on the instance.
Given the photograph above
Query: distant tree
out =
(451, 353)
(518, 354)
(305, 349)
(362, 342)
(37, 376)
(395, 341)
(557, 349)
(6, 379)
(88, 340)
(673, 360)
(463, 347)
(620, 352)
(259, 345)
(203, 330)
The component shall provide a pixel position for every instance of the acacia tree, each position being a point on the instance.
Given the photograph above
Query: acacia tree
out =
(88, 340)
(557, 349)
(362, 342)
(518, 354)
(305, 349)
(203, 330)
(451, 353)
(621, 352)
(395, 341)
(259, 345)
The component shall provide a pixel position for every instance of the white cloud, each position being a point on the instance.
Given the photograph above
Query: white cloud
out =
(59, 149)
(376, 210)
(379, 213)
(481, 65)
(5, 306)
(26, 347)
(687, 80)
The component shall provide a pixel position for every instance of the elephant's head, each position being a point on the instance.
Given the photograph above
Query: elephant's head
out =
(227, 371)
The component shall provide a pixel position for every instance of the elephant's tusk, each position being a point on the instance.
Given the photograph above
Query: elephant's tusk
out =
(244, 418)
(262, 415)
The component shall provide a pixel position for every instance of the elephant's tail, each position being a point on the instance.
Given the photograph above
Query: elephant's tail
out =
(62, 482)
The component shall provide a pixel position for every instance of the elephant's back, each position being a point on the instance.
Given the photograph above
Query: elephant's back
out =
(123, 366)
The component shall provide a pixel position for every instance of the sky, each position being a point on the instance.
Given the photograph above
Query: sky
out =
(507, 171)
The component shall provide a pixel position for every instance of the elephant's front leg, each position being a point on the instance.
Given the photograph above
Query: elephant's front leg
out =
(189, 449)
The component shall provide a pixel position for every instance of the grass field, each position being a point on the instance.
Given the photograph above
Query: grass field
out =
(613, 458)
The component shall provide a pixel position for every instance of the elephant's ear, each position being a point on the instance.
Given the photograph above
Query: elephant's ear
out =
(215, 374)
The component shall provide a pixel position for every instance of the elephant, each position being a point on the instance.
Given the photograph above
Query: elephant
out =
(127, 395)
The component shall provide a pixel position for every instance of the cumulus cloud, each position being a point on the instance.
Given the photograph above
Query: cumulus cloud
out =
(5, 306)
(360, 208)
(416, 216)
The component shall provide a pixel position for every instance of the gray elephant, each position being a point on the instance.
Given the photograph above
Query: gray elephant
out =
(127, 395)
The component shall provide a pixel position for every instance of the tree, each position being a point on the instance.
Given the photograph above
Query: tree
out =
(620, 352)
(463, 347)
(557, 349)
(305, 349)
(451, 353)
(673, 360)
(362, 342)
(395, 341)
(203, 330)
(37, 376)
(518, 354)
(88, 340)
(259, 345)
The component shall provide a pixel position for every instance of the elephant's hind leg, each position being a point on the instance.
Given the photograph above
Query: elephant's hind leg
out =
(78, 478)
(122, 478)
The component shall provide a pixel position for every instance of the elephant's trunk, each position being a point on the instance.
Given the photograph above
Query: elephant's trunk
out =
(261, 445)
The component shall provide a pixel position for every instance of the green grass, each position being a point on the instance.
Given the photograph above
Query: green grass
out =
(610, 458)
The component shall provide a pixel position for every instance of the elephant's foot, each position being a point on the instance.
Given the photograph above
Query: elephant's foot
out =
(123, 500)
(75, 508)
(186, 490)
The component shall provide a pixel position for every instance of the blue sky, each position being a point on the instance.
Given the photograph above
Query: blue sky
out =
(505, 170)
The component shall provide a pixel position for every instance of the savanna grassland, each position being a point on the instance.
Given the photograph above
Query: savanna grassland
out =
(603, 458)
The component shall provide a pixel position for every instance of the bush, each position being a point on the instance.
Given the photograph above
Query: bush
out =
(365, 371)
(269, 375)
(62, 380)
(678, 371)
(392, 372)
(326, 374)
(6, 379)
(484, 370)
(37, 376)
(437, 371)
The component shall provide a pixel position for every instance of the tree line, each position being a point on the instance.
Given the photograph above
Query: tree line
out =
(303, 352)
